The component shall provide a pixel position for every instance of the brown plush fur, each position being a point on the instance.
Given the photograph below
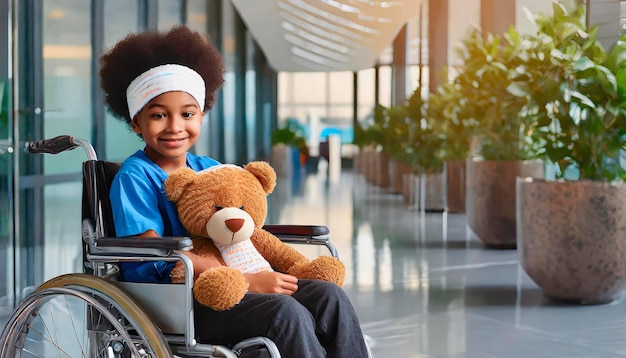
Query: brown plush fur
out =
(197, 196)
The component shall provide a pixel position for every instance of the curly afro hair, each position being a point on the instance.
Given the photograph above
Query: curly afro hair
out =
(142, 51)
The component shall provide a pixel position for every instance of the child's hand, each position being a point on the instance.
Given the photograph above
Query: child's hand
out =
(271, 282)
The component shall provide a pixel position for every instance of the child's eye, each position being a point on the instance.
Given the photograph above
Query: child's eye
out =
(158, 115)
(188, 114)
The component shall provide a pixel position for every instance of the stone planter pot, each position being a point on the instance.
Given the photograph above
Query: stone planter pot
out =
(490, 198)
(408, 189)
(281, 160)
(433, 192)
(396, 172)
(571, 238)
(454, 186)
(370, 167)
(381, 175)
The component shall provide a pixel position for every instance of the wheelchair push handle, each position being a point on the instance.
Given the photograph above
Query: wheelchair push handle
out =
(60, 144)
(54, 145)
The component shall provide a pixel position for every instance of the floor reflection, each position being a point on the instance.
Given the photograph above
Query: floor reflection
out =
(424, 286)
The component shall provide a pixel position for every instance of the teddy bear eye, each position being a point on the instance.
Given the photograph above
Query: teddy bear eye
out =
(241, 207)
(218, 207)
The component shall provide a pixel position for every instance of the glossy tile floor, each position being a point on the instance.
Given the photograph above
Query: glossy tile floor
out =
(424, 287)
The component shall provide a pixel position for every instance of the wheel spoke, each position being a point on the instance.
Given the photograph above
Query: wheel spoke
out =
(52, 343)
(78, 340)
(99, 314)
(54, 326)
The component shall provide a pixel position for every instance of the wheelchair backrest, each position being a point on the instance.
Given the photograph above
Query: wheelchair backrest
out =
(96, 207)
(163, 303)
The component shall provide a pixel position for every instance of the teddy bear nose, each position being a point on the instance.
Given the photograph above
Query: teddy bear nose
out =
(234, 224)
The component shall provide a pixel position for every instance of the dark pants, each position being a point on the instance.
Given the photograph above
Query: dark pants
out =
(317, 321)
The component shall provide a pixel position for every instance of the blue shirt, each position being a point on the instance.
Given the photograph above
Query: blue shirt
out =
(139, 204)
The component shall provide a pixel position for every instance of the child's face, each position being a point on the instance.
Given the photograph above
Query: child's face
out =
(170, 125)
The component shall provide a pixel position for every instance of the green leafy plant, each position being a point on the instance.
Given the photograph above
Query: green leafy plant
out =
(488, 109)
(292, 136)
(423, 151)
(448, 121)
(396, 132)
(362, 136)
(576, 94)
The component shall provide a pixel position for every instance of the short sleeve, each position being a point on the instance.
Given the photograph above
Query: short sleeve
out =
(135, 205)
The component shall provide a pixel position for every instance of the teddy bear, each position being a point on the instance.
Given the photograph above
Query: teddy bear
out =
(224, 208)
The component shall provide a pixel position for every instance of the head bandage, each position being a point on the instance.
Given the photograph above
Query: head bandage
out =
(161, 79)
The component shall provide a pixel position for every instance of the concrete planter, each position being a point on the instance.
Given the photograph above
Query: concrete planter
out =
(571, 238)
(490, 198)
(281, 160)
(370, 166)
(433, 191)
(408, 189)
(454, 186)
(396, 173)
(381, 175)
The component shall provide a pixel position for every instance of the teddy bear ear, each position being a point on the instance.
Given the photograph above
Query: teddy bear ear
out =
(264, 173)
(177, 181)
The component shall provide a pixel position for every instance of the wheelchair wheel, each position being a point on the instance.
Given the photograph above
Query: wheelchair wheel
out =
(79, 315)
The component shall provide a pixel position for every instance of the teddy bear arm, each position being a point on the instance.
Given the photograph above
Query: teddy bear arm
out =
(202, 247)
(325, 268)
(205, 247)
(280, 255)
(220, 288)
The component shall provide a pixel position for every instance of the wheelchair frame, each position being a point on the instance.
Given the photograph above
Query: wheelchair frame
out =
(109, 299)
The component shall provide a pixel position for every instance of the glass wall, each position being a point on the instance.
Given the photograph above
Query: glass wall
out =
(6, 164)
(170, 13)
(66, 78)
(250, 96)
(366, 98)
(67, 110)
(121, 18)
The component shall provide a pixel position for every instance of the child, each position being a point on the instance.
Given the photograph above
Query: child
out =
(161, 84)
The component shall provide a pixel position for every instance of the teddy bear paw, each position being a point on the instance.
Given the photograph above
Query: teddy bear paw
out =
(325, 268)
(220, 288)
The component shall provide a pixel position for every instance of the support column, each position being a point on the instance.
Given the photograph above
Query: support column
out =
(464, 16)
(606, 14)
(497, 15)
(525, 25)
(398, 67)
(437, 41)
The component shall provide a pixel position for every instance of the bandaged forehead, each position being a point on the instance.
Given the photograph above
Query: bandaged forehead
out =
(162, 79)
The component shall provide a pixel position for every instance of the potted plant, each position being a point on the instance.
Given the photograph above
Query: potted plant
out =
(572, 231)
(455, 133)
(397, 141)
(363, 141)
(423, 154)
(289, 149)
(501, 148)
(382, 133)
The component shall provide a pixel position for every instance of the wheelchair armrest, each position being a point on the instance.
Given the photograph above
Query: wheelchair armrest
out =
(303, 234)
(158, 243)
(297, 230)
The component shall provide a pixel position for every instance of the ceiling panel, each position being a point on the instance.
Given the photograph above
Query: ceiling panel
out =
(324, 35)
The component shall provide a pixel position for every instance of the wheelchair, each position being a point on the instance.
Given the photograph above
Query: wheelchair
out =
(91, 314)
